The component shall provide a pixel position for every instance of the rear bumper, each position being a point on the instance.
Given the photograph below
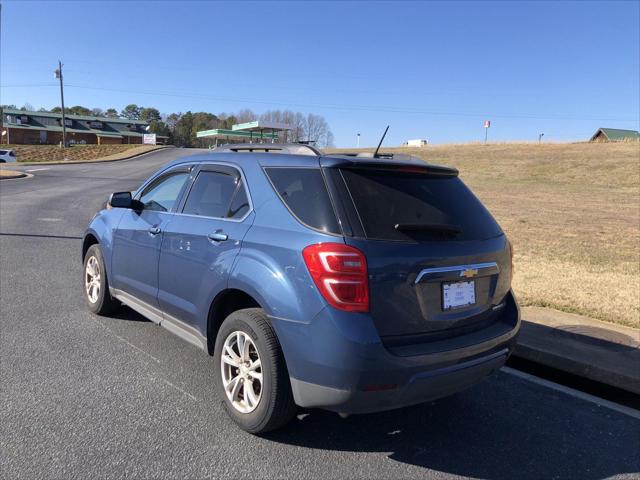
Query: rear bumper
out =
(421, 387)
(350, 374)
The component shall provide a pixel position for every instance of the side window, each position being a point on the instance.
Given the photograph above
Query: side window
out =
(303, 190)
(162, 194)
(211, 194)
(240, 203)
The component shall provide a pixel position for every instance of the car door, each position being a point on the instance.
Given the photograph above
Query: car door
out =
(137, 240)
(201, 243)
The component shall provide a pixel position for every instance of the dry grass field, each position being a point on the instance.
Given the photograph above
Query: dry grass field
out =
(53, 153)
(572, 212)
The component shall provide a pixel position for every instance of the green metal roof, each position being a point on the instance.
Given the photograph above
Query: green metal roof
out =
(617, 134)
(261, 125)
(90, 118)
(53, 128)
(221, 132)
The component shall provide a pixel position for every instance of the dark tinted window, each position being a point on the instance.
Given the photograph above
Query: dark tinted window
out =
(303, 190)
(211, 194)
(418, 204)
(163, 193)
(240, 203)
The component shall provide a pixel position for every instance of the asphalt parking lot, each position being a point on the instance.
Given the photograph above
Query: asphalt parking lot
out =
(85, 396)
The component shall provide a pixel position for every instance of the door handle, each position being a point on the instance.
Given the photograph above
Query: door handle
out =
(154, 230)
(218, 236)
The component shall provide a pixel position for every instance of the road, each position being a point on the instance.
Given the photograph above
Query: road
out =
(85, 396)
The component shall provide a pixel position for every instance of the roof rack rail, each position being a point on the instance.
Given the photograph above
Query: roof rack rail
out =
(286, 148)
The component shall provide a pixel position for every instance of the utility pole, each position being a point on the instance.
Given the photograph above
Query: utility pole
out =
(64, 123)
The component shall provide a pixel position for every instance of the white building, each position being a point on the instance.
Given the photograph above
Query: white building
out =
(418, 142)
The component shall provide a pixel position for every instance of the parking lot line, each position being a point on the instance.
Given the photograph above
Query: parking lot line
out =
(574, 393)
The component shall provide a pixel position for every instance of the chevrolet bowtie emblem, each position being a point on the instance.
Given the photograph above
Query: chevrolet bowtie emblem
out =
(469, 273)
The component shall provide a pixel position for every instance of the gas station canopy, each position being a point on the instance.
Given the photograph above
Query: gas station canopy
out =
(257, 130)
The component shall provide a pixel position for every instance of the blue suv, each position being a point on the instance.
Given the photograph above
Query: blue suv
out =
(353, 283)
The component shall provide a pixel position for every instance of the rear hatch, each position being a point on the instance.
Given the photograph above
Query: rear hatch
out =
(438, 263)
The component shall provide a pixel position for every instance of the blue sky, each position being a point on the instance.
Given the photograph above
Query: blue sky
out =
(430, 70)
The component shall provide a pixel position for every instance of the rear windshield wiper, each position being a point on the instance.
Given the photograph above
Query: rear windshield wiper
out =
(428, 227)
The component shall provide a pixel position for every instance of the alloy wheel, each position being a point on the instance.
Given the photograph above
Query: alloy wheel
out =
(241, 372)
(92, 279)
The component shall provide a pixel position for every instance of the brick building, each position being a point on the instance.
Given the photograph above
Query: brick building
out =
(24, 127)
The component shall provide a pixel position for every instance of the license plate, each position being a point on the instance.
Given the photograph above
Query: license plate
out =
(459, 294)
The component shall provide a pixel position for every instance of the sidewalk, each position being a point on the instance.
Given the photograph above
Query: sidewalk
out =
(596, 350)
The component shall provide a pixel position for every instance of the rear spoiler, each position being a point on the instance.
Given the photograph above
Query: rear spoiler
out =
(397, 163)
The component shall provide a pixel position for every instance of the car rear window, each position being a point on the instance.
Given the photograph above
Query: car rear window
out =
(304, 192)
(417, 207)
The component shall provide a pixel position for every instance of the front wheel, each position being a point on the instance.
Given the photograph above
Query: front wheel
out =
(252, 378)
(95, 283)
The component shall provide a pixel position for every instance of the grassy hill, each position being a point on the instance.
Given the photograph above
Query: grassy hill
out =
(572, 212)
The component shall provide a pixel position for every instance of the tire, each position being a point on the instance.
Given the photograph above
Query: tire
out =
(98, 301)
(274, 406)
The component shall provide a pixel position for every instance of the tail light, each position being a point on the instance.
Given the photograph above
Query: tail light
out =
(340, 273)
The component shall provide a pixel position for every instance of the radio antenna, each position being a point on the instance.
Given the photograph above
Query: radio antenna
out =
(375, 154)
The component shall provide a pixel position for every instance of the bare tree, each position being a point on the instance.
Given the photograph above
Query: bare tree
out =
(317, 130)
(245, 115)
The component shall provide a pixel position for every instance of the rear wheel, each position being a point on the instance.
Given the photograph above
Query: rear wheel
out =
(95, 283)
(251, 376)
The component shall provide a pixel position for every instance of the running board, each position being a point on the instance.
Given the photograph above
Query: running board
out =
(172, 324)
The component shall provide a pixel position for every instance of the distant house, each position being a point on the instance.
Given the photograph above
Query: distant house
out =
(24, 127)
(614, 135)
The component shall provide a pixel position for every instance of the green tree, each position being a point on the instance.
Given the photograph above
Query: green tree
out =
(111, 112)
(77, 110)
(159, 128)
(131, 111)
(149, 114)
(203, 121)
(184, 134)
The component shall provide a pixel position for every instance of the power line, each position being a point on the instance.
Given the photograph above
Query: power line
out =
(354, 107)
(331, 106)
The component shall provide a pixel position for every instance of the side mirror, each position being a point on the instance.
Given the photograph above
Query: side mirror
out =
(121, 200)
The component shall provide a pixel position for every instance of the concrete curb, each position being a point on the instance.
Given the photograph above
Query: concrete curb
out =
(598, 351)
(14, 176)
(97, 160)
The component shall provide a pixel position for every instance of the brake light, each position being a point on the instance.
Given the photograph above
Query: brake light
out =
(340, 273)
